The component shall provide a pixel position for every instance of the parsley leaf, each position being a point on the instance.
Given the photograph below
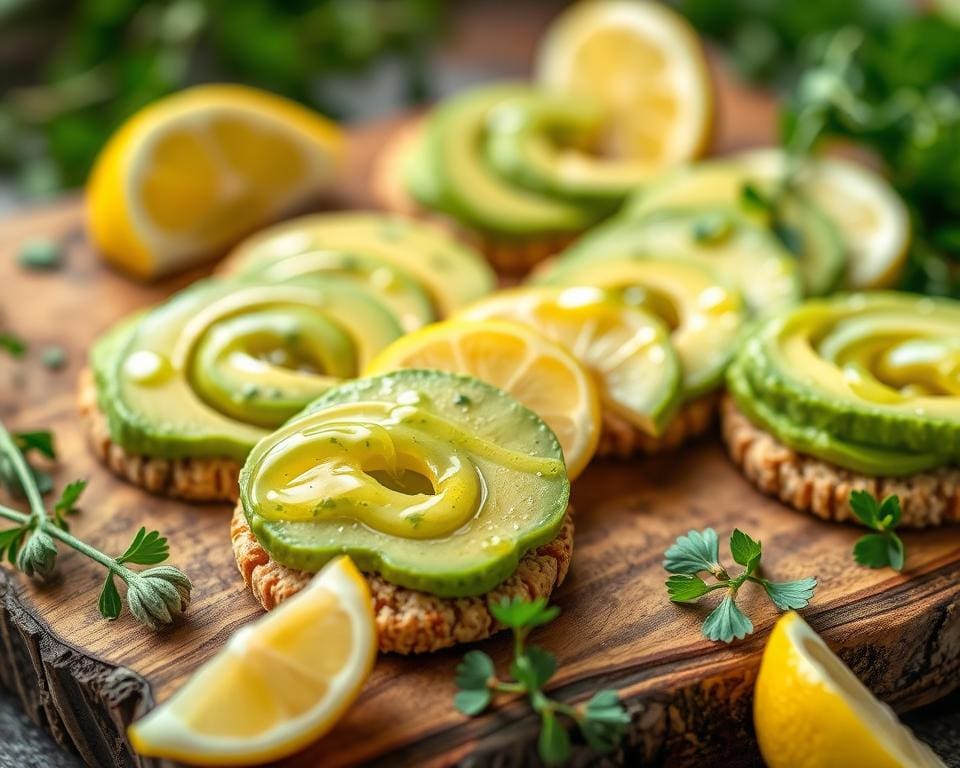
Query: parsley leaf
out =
(146, 549)
(883, 548)
(698, 552)
(67, 503)
(109, 602)
(603, 720)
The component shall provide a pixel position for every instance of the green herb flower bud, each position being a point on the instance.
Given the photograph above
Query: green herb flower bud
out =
(38, 555)
(159, 595)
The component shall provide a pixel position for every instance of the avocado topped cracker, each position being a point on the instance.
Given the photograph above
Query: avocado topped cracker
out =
(865, 387)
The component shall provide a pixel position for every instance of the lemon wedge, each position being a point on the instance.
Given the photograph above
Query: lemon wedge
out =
(539, 373)
(810, 710)
(644, 63)
(279, 684)
(628, 350)
(189, 175)
(872, 219)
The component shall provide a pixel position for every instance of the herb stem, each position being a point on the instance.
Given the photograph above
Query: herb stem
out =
(501, 687)
(92, 552)
(9, 446)
(13, 515)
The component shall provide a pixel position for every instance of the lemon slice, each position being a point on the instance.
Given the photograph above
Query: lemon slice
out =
(873, 221)
(189, 175)
(809, 709)
(279, 684)
(644, 64)
(628, 350)
(539, 373)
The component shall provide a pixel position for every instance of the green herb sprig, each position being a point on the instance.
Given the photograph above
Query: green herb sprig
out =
(883, 548)
(602, 720)
(12, 345)
(699, 552)
(38, 442)
(155, 596)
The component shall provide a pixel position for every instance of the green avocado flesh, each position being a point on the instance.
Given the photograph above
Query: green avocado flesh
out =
(452, 274)
(866, 381)
(467, 185)
(745, 254)
(207, 372)
(542, 141)
(704, 316)
(395, 287)
(437, 481)
(812, 237)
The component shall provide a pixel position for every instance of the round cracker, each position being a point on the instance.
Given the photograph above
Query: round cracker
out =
(812, 485)
(622, 439)
(409, 621)
(192, 479)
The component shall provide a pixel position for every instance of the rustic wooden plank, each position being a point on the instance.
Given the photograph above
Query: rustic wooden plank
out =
(84, 678)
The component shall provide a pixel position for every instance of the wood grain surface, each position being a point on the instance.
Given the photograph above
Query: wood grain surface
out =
(84, 678)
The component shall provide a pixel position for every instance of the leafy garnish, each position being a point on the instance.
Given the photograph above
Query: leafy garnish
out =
(602, 721)
(12, 345)
(698, 552)
(883, 548)
(155, 596)
(40, 442)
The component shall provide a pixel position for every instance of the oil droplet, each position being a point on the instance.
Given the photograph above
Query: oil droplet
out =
(147, 367)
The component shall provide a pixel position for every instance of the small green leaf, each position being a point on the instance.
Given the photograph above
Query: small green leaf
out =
(13, 547)
(518, 613)
(865, 507)
(109, 603)
(872, 550)
(40, 254)
(67, 503)
(40, 440)
(554, 742)
(13, 345)
(146, 549)
(787, 595)
(475, 671)
(726, 622)
(697, 551)
(471, 702)
(8, 536)
(895, 553)
(889, 514)
(604, 721)
(745, 551)
(791, 237)
(533, 668)
(683, 588)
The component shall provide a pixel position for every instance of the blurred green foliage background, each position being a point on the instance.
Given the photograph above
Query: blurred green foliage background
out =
(71, 72)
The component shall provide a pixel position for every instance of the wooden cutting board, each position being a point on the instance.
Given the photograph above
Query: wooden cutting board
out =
(85, 679)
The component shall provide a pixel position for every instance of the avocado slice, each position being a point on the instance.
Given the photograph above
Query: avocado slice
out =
(451, 273)
(718, 238)
(821, 442)
(705, 317)
(542, 140)
(471, 189)
(206, 373)
(879, 370)
(799, 223)
(437, 481)
(394, 286)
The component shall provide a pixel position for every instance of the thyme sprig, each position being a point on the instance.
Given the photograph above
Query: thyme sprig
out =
(155, 596)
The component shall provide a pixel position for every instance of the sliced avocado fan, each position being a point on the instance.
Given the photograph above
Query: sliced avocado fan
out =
(437, 481)
(208, 372)
(866, 381)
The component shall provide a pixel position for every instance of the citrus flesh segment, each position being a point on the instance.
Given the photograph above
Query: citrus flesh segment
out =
(645, 65)
(192, 173)
(279, 683)
(872, 219)
(810, 710)
(627, 349)
(538, 372)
